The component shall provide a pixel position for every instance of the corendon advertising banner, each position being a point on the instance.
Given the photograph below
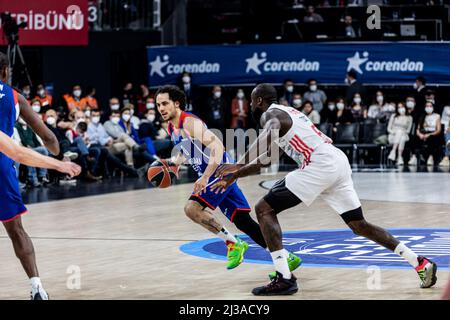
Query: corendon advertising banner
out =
(48, 22)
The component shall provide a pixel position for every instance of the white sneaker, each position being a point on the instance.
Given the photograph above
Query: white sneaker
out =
(391, 155)
(445, 162)
(71, 155)
(400, 161)
(430, 161)
(38, 293)
(412, 161)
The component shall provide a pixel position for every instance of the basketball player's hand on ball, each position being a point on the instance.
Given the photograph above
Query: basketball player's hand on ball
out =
(200, 185)
(226, 169)
(70, 168)
(223, 184)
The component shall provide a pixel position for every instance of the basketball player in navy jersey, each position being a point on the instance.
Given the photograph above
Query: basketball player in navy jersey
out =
(204, 151)
(13, 104)
(323, 170)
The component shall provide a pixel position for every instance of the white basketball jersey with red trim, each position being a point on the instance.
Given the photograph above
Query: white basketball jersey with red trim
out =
(302, 138)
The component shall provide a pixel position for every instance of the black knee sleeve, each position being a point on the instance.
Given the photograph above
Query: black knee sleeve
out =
(244, 222)
(352, 215)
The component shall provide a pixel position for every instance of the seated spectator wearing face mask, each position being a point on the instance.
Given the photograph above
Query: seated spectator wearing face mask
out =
(375, 108)
(51, 120)
(185, 83)
(36, 106)
(43, 96)
(358, 109)
(28, 139)
(315, 95)
(428, 135)
(343, 114)
(287, 91)
(386, 112)
(328, 114)
(239, 111)
(151, 127)
(216, 107)
(113, 106)
(308, 109)
(135, 121)
(399, 127)
(297, 101)
(73, 100)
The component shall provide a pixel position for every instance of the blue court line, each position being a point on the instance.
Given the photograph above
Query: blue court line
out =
(196, 249)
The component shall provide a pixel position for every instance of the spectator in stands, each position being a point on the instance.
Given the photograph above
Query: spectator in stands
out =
(328, 114)
(399, 127)
(114, 106)
(135, 121)
(420, 90)
(353, 87)
(239, 110)
(44, 98)
(149, 104)
(428, 133)
(430, 95)
(311, 16)
(287, 91)
(28, 139)
(36, 106)
(51, 120)
(128, 94)
(216, 107)
(375, 110)
(185, 84)
(387, 111)
(316, 96)
(343, 114)
(73, 100)
(151, 127)
(351, 30)
(308, 109)
(445, 161)
(297, 100)
(411, 109)
(359, 110)
(91, 101)
(26, 92)
(142, 97)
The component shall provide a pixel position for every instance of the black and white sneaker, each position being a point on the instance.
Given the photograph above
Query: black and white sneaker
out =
(278, 287)
(39, 294)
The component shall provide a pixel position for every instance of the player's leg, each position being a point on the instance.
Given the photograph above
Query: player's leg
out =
(24, 250)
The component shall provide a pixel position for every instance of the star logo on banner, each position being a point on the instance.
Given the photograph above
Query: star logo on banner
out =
(157, 65)
(254, 62)
(356, 61)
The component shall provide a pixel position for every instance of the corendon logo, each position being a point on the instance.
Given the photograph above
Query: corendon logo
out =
(257, 62)
(162, 66)
(362, 63)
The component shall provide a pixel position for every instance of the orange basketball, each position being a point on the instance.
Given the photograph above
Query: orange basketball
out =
(158, 174)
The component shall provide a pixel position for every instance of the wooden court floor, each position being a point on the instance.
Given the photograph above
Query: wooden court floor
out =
(126, 246)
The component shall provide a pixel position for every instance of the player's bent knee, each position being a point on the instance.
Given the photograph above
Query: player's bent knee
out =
(192, 210)
(262, 208)
(355, 220)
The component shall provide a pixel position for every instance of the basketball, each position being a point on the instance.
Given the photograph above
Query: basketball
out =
(161, 174)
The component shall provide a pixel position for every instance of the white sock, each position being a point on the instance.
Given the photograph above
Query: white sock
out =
(285, 252)
(36, 286)
(226, 235)
(407, 253)
(279, 258)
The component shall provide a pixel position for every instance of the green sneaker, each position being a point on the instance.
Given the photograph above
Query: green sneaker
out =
(235, 253)
(293, 261)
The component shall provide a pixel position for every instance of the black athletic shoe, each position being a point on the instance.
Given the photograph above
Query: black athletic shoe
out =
(38, 296)
(278, 287)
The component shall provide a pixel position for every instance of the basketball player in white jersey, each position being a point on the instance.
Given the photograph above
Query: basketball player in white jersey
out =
(323, 170)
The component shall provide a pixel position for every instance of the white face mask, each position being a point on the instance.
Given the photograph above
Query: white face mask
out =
(340, 105)
(77, 93)
(410, 104)
(297, 102)
(115, 120)
(36, 108)
(151, 117)
(415, 86)
(401, 111)
(240, 95)
(290, 88)
(115, 107)
(186, 79)
(41, 92)
(150, 106)
(217, 94)
(87, 113)
(126, 117)
(95, 120)
(380, 99)
(51, 121)
(331, 107)
(357, 100)
(26, 92)
(313, 87)
(429, 110)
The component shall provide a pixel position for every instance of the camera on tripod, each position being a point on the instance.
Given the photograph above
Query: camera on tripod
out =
(11, 27)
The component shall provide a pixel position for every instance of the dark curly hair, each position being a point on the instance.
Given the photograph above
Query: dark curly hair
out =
(175, 94)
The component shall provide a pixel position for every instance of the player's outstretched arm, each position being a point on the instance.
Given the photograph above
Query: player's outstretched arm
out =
(38, 126)
(33, 159)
